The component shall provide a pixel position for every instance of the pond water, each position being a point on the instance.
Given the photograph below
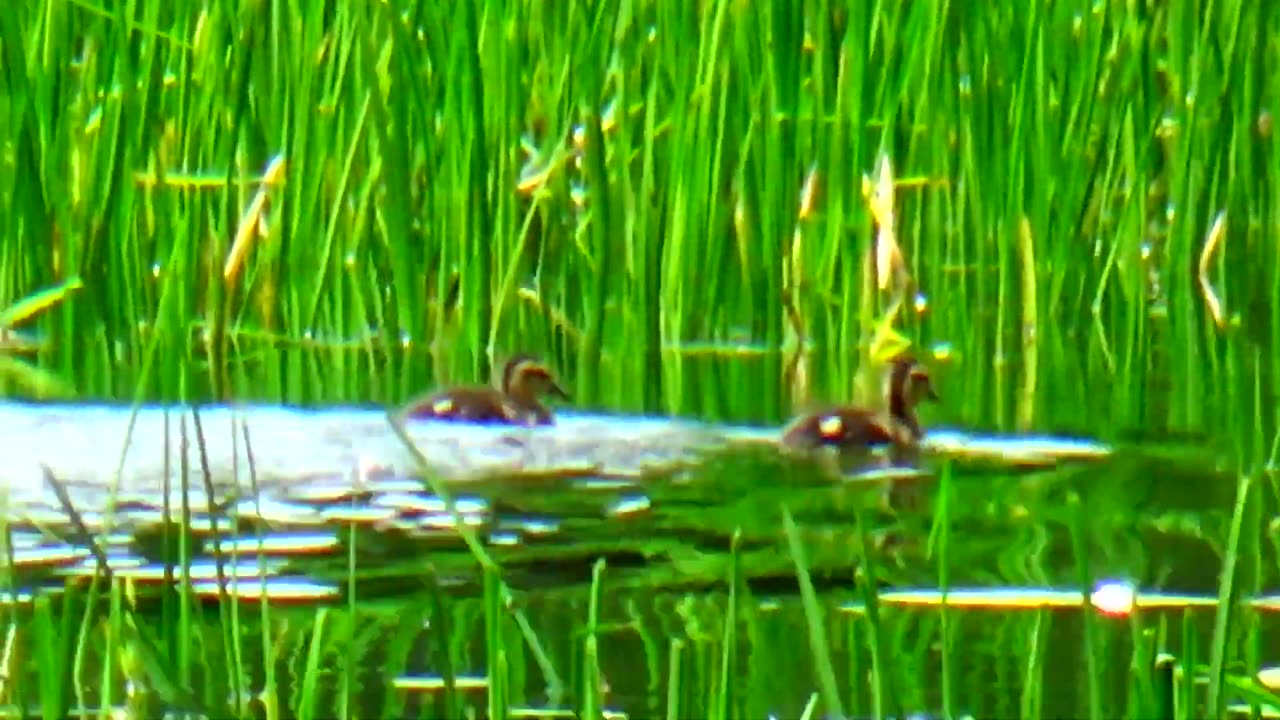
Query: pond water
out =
(692, 576)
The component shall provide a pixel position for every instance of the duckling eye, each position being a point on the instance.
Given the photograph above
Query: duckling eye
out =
(918, 384)
(831, 426)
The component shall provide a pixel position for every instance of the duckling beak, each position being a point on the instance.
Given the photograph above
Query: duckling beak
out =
(555, 389)
(931, 393)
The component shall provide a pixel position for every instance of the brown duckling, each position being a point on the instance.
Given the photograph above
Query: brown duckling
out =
(853, 428)
(524, 381)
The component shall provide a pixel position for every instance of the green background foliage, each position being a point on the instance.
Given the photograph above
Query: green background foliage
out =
(617, 186)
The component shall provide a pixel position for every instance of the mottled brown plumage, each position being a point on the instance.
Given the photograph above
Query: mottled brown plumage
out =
(849, 427)
(517, 402)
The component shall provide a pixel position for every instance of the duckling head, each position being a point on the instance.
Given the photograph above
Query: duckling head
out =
(918, 387)
(909, 385)
(909, 382)
(525, 379)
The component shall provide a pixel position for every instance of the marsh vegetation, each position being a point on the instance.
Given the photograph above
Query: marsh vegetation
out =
(681, 207)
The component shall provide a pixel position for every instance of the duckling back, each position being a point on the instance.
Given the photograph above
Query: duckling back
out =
(845, 428)
(475, 405)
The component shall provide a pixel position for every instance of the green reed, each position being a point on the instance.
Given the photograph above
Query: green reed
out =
(619, 188)
(817, 625)
(401, 246)
(1227, 595)
(1090, 640)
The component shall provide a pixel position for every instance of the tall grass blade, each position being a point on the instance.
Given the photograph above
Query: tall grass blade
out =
(814, 617)
(1224, 615)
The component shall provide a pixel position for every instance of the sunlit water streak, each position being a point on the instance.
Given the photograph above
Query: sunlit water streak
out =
(267, 541)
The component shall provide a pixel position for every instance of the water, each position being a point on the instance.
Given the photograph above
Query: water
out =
(675, 541)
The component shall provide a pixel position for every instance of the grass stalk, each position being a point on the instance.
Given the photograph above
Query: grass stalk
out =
(1224, 615)
(632, 190)
(815, 618)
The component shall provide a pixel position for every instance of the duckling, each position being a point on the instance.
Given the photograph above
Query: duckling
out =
(524, 381)
(856, 428)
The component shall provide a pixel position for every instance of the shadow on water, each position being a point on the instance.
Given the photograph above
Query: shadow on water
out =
(1151, 516)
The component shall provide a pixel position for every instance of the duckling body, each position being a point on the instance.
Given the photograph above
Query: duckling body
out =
(517, 402)
(845, 427)
(856, 428)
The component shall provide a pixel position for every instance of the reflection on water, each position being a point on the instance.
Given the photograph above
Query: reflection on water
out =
(1016, 512)
(540, 525)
